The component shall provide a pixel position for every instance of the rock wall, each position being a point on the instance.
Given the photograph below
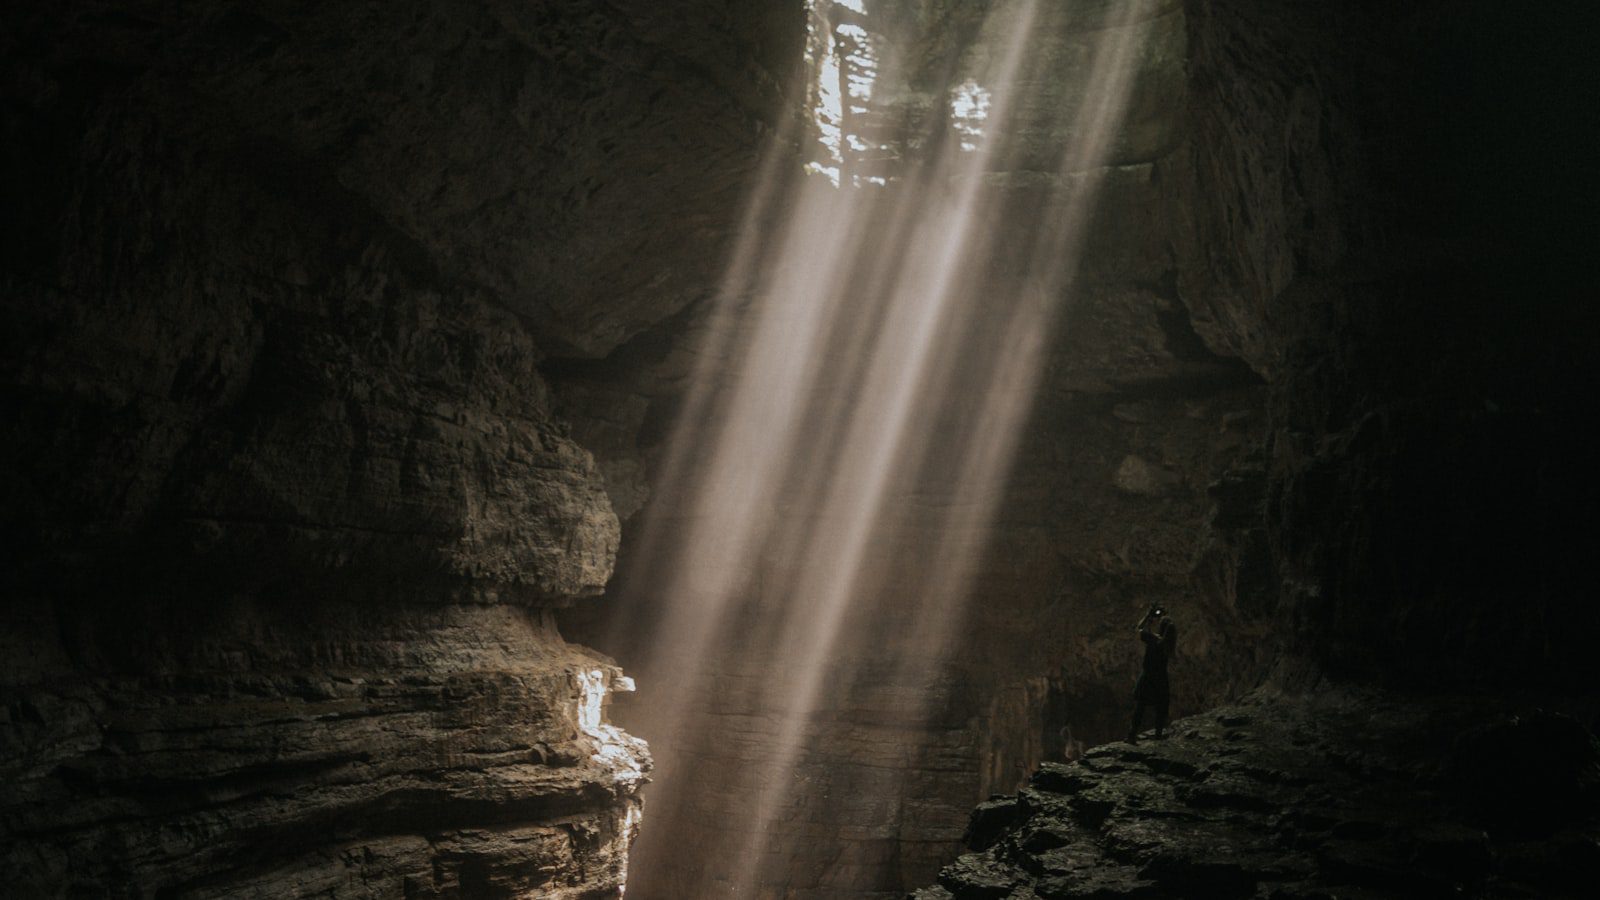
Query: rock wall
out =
(1388, 207)
(286, 507)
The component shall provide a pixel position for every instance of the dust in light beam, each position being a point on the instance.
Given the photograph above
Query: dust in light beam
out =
(872, 337)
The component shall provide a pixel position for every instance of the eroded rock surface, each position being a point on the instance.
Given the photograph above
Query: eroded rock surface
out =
(1294, 798)
(313, 751)
(286, 504)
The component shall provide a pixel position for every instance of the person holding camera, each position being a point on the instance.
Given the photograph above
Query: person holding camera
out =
(1160, 638)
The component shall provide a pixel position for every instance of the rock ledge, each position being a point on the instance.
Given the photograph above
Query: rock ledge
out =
(1287, 798)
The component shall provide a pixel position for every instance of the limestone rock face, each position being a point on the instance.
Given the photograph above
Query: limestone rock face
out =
(1415, 320)
(529, 150)
(284, 496)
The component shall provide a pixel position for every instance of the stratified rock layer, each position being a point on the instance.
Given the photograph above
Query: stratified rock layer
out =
(299, 750)
(1293, 798)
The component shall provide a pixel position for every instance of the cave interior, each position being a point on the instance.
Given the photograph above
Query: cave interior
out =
(713, 448)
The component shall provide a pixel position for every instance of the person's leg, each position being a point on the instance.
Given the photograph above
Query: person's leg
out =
(1162, 705)
(1138, 719)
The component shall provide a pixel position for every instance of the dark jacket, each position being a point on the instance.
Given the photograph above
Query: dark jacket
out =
(1152, 684)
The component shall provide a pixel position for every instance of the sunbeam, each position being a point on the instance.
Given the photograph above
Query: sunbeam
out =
(875, 351)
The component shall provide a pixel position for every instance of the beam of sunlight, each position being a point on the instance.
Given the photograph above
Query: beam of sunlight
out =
(881, 428)
(867, 350)
(1011, 383)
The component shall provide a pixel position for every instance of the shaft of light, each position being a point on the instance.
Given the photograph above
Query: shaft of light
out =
(881, 428)
(856, 317)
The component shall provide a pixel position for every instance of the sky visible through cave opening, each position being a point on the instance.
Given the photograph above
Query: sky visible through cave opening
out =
(842, 63)
(878, 339)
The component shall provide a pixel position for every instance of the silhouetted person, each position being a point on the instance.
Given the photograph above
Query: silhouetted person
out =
(1160, 638)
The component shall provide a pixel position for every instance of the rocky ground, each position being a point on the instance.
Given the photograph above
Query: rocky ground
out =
(1340, 796)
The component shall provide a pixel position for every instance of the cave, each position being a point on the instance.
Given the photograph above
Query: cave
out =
(713, 448)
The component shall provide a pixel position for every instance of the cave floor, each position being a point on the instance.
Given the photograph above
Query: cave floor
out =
(1280, 797)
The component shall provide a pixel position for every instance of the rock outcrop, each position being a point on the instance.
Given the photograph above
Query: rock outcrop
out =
(285, 503)
(295, 750)
(1285, 798)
